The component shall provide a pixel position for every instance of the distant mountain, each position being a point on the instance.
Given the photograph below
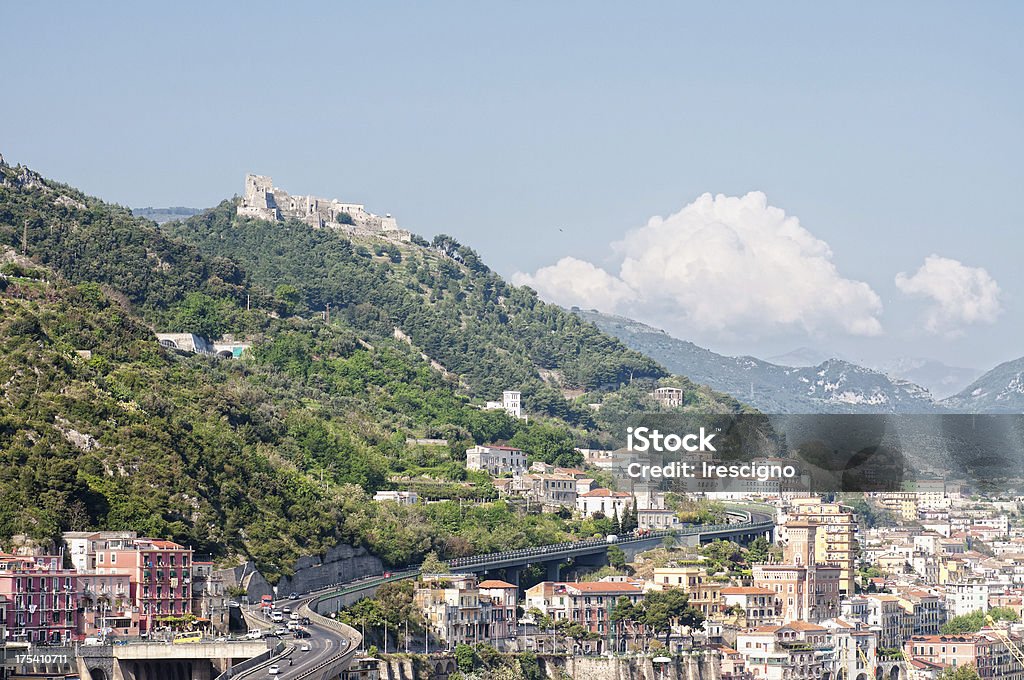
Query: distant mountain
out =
(832, 386)
(1001, 390)
(161, 215)
(801, 356)
(938, 378)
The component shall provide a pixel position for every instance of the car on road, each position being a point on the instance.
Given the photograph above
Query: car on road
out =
(300, 633)
(304, 620)
(254, 635)
(304, 647)
(274, 669)
(270, 633)
(293, 595)
(280, 631)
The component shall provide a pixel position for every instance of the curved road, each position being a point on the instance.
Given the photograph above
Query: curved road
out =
(332, 645)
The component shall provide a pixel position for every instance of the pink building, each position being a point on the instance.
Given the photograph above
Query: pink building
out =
(106, 605)
(38, 599)
(160, 573)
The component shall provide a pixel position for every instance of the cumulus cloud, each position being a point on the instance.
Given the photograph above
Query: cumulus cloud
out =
(723, 264)
(572, 281)
(960, 295)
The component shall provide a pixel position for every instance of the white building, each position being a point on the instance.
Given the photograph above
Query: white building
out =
(400, 497)
(605, 501)
(966, 598)
(511, 403)
(497, 460)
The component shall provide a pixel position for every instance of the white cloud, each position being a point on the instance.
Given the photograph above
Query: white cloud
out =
(727, 265)
(571, 281)
(960, 295)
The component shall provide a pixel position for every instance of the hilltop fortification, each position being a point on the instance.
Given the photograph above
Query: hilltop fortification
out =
(264, 201)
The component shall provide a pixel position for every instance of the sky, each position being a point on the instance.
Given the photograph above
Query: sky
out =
(753, 177)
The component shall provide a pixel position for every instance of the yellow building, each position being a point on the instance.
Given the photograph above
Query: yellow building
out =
(836, 539)
(705, 594)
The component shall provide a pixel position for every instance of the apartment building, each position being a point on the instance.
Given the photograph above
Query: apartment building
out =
(459, 609)
(38, 599)
(793, 650)
(984, 650)
(106, 605)
(160, 573)
(586, 603)
(504, 620)
(759, 606)
(836, 539)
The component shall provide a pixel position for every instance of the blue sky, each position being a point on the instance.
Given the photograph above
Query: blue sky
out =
(535, 132)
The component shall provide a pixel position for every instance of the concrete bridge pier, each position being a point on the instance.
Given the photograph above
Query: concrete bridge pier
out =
(553, 570)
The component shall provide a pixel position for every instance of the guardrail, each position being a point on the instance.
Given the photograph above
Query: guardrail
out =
(332, 666)
(249, 666)
(575, 546)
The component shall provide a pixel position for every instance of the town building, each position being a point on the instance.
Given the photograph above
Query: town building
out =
(106, 606)
(835, 540)
(669, 397)
(985, 651)
(459, 609)
(210, 599)
(496, 460)
(39, 599)
(400, 497)
(753, 607)
(504, 620)
(511, 403)
(160, 572)
(807, 591)
(793, 650)
(704, 593)
(604, 501)
(586, 603)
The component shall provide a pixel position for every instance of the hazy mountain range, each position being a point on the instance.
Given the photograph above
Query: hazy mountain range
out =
(828, 385)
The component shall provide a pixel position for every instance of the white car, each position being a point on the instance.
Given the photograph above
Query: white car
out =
(274, 670)
(304, 647)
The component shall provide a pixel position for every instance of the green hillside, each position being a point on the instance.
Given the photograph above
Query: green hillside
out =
(453, 308)
(276, 454)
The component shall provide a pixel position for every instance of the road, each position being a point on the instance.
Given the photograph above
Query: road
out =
(325, 643)
(328, 639)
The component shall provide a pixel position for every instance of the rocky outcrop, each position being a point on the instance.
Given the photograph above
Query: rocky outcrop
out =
(341, 563)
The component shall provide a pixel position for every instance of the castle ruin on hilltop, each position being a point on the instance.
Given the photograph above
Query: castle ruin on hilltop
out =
(264, 201)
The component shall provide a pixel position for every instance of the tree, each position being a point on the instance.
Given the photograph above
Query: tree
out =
(432, 564)
(202, 315)
(975, 621)
(630, 518)
(465, 658)
(624, 614)
(966, 672)
(616, 557)
(663, 608)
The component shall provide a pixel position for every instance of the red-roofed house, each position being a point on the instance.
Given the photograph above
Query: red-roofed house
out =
(605, 501)
(586, 603)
